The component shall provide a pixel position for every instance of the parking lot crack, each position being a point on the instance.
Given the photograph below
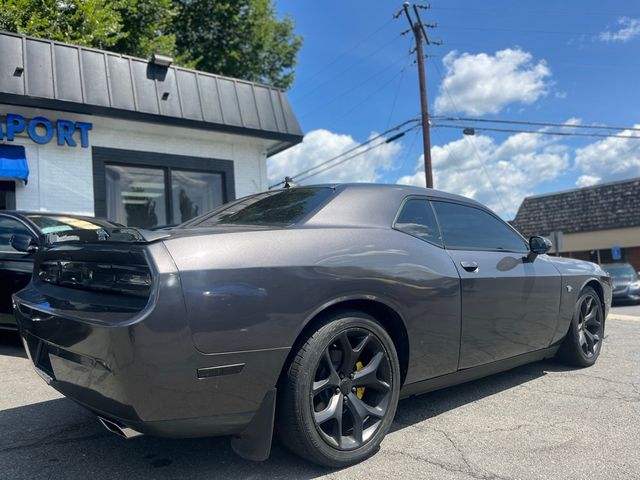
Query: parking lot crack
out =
(449, 467)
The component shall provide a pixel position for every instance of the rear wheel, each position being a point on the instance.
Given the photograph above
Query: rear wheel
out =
(581, 347)
(340, 393)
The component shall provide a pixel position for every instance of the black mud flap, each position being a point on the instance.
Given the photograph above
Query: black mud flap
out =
(254, 443)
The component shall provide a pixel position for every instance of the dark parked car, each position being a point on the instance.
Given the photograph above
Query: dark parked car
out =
(314, 308)
(626, 285)
(15, 266)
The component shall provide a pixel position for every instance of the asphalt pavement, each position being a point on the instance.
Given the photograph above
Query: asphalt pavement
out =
(633, 310)
(540, 421)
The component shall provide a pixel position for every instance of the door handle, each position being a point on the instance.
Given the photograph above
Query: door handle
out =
(469, 266)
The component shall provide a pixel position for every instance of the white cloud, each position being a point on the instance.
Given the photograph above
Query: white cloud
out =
(516, 167)
(587, 180)
(321, 145)
(482, 83)
(612, 158)
(629, 29)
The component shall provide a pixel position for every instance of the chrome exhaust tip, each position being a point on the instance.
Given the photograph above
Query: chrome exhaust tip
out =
(120, 430)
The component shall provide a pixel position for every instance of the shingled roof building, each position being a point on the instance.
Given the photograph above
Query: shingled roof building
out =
(599, 223)
(141, 142)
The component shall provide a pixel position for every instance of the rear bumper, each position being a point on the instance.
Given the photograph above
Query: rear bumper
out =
(144, 372)
(166, 404)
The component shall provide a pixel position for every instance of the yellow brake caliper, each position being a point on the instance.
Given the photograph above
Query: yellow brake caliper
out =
(359, 390)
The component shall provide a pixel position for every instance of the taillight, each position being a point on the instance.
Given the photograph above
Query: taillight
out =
(106, 277)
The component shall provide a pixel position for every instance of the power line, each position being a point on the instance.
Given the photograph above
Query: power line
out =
(350, 150)
(573, 13)
(344, 70)
(357, 86)
(388, 140)
(469, 142)
(345, 53)
(518, 30)
(534, 123)
(365, 99)
(537, 132)
(395, 98)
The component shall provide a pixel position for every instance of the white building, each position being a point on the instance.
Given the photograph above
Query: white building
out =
(131, 140)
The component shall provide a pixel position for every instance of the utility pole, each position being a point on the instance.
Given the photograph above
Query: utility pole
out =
(420, 34)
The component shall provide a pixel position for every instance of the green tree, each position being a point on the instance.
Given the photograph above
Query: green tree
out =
(239, 38)
(132, 27)
(146, 27)
(93, 23)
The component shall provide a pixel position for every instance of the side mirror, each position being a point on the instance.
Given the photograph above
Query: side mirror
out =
(24, 243)
(538, 246)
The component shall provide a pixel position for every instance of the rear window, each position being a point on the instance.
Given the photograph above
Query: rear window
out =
(280, 208)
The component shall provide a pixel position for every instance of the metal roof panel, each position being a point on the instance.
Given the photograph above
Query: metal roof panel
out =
(57, 75)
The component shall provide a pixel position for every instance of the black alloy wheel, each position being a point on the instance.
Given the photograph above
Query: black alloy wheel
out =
(590, 325)
(351, 392)
(583, 342)
(338, 394)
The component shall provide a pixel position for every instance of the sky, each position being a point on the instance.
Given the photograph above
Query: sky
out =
(575, 62)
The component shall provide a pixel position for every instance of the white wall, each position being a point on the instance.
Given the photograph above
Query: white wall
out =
(61, 177)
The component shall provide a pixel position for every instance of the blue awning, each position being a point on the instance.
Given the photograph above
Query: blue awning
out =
(13, 163)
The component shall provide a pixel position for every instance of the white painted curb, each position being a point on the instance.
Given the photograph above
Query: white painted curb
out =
(626, 318)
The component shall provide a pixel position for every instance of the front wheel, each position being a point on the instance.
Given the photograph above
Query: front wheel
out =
(340, 393)
(581, 347)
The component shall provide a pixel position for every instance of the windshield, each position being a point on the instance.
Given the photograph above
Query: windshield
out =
(621, 272)
(61, 223)
(279, 208)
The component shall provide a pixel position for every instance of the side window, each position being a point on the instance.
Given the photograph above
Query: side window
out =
(8, 228)
(470, 228)
(417, 219)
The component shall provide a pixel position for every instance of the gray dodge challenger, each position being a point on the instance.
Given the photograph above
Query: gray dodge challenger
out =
(308, 311)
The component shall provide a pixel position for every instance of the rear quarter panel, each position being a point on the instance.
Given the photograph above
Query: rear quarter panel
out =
(576, 274)
(257, 290)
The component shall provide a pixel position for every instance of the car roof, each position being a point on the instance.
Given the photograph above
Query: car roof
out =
(407, 190)
(372, 204)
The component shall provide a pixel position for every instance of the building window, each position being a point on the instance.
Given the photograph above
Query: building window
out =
(136, 196)
(7, 195)
(147, 190)
(194, 193)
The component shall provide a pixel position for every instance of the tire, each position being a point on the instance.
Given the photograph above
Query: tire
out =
(322, 426)
(583, 342)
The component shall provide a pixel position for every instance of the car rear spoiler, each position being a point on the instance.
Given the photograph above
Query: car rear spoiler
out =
(114, 235)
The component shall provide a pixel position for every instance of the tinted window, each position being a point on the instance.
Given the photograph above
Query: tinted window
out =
(474, 229)
(8, 228)
(417, 218)
(281, 208)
